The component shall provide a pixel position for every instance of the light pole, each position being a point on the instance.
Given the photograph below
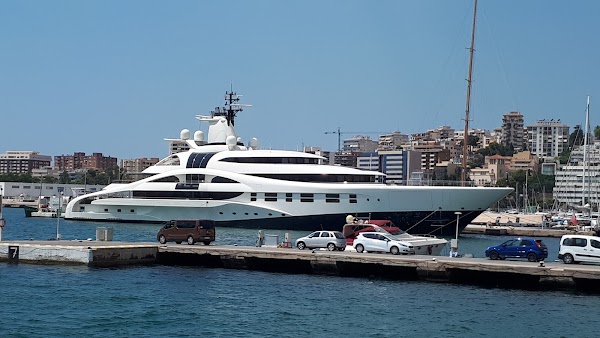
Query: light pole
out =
(454, 242)
(58, 213)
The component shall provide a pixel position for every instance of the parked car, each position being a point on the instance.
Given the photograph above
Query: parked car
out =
(332, 240)
(381, 242)
(192, 231)
(532, 249)
(579, 248)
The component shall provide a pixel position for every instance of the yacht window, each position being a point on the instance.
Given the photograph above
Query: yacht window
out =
(198, 160)
(253, 197)
(353, 198)
(272, 160)
(326, 178)
(288, 197)
(270, 197)
(219, 179)
(307, 198)
(188, 186)
(194, 178)
(171, 160)
(187, 194)
(167, 179)
(332, 198)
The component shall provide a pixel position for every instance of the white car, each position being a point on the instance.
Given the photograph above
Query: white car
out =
(579, 248)
(381, 242)
(332, 240)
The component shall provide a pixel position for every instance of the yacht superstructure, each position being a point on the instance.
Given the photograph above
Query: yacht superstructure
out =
(242, 186)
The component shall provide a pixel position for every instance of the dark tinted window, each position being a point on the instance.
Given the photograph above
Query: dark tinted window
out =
(526, 242)
(219, 179)
(595, 243)
(272, 160)
(575, 241)
(324, 234)
(186, 224)
(206, 224)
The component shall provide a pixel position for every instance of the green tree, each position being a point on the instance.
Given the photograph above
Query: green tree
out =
(497, 149)
(576, 137)
(473, 140)
(597, 132)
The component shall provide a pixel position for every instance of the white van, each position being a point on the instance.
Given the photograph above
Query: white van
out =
(579, 248)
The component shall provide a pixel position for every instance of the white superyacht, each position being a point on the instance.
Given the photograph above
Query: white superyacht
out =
(242, 186)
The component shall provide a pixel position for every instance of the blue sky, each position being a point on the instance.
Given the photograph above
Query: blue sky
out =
(118, 77)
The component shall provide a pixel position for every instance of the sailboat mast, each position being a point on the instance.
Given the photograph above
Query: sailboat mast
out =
(585, 148)
(468, 105)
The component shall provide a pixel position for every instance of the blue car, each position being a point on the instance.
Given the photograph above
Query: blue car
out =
(532, 249)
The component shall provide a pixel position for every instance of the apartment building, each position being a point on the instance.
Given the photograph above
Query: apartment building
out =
(548, 139)
(22, 162)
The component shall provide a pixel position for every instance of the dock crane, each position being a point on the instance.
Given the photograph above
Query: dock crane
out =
(339, 134)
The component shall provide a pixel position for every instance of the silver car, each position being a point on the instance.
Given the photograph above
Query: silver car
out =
(331, 240)
(381, 242)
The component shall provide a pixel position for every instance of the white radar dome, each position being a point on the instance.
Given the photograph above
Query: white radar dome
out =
(185, 134)
(199, 136)
(253, 143)
(231, 142)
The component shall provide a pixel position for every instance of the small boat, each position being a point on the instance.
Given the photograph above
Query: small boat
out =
(422, 244)
(51, 207)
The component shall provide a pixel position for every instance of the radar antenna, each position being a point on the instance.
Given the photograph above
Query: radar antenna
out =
(231, 108)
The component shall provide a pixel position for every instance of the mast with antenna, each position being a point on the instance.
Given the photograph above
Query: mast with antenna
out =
(468, 105)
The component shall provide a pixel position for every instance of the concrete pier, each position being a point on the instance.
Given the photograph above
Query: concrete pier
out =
(476, 271)
(91, 253)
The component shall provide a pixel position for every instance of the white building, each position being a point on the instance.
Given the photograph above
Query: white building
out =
(548, 139)
(569, 187)
(34, 190)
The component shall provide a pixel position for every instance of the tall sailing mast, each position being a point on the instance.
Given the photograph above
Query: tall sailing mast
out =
(463, 176)
(586, 190)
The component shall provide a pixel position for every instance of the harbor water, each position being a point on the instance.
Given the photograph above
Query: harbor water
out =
(77, 301)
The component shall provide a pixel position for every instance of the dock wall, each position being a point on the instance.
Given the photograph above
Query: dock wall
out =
(91, 253)
(474, 271)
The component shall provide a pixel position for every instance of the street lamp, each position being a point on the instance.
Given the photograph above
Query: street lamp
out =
(454, 242)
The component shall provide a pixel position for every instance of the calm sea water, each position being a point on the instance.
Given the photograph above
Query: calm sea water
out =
(76, 301)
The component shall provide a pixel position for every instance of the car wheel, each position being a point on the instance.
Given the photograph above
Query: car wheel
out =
(162, 239)
(331, 247)
(190, 240)
(394, 250)
(206, 242)
(494, 255)
(301, 245)
(532, 257)
(360, 248)
(568, 259)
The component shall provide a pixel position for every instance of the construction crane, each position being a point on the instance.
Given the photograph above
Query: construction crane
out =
(339, 134)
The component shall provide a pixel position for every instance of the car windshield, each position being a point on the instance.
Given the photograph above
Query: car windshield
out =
(390, 237)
